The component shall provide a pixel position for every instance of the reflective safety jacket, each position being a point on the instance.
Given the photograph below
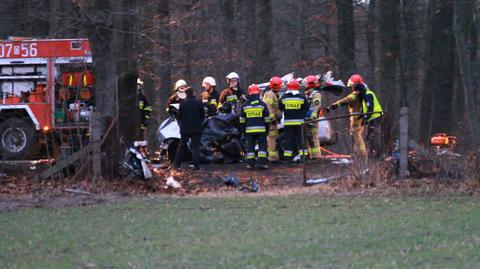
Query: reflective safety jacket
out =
(213, 98)
(254, 115)
(230, 95)
(370, 103)
(144, 107)
(315, 102)
(294, 107)
(270, 98)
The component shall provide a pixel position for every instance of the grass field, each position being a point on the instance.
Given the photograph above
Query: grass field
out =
(250, 232)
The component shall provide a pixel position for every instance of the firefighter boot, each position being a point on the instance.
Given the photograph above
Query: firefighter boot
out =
(313, 142)
(262, 151)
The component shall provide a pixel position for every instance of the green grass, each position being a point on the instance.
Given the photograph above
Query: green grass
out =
(279, 232)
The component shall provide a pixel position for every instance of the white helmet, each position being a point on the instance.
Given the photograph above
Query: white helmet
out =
(180, 83)
(209, 80)
(233, 75)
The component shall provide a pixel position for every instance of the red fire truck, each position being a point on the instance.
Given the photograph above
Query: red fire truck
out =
(47, 88)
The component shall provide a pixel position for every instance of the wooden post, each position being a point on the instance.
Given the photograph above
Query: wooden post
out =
(404, 142)
(96, 137)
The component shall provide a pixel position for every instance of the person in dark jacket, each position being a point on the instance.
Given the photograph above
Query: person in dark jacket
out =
(190, 119)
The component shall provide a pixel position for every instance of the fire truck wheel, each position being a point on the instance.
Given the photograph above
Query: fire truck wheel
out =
(18, 139)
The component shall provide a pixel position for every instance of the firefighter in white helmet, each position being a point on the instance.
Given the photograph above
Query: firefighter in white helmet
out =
(210, 96)
(179, 93)
(233, 94)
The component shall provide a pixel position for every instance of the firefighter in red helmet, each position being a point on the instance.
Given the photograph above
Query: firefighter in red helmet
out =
(294, 107)
(354, 103)
(270, 98)
(314, 99)
(255, 119)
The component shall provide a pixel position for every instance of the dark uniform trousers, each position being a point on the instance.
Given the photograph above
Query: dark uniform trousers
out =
(252, 140)
(294, 140)
(182, 151)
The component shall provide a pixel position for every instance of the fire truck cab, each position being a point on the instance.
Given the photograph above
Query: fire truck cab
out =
(46, 86)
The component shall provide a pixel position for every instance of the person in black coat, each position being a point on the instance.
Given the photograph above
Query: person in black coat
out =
(190, 118)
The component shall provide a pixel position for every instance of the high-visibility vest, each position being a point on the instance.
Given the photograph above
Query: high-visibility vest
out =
(376, 106)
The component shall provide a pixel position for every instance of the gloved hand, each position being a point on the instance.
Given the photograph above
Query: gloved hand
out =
(364, 120)
(278, 118)
(333, 106)
(314, 115)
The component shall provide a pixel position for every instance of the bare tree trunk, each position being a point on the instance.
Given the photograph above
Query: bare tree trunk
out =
(228, 32)
(466, 71)
(346, 37)
(163, 61)
(440, 69)
(389, 53)
(125, 60)
(263, 62)
(371, 40)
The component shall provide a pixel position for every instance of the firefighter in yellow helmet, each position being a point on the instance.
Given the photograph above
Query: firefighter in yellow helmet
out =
(354, 103)
(314, 98)
(270, 98)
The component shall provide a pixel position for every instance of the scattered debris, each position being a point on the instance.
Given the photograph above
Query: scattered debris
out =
(231, 180)
(78, 191)
(171, 182)
(342, 161)
(135, 162)
(320, 180)
(254, 187)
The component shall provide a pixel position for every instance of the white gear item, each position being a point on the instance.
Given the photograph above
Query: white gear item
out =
(210, 81)
(180, 83)
(139, 82)
(233, 75)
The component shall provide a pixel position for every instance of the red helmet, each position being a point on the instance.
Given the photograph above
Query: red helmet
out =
(253, 89)
(275, 83)
(355, 79)
(311, 81)
(293, 84)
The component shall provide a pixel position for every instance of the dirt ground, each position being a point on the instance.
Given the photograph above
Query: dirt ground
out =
(281, 179)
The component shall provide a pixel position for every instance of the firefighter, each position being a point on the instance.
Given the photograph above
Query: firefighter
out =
(270, 98)
(354, 103)
(233, 93)
(210, 96)
(145, 109)
(179, 93)
(294, 107)
(314, 100)
(370, 104)
(255, 119)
